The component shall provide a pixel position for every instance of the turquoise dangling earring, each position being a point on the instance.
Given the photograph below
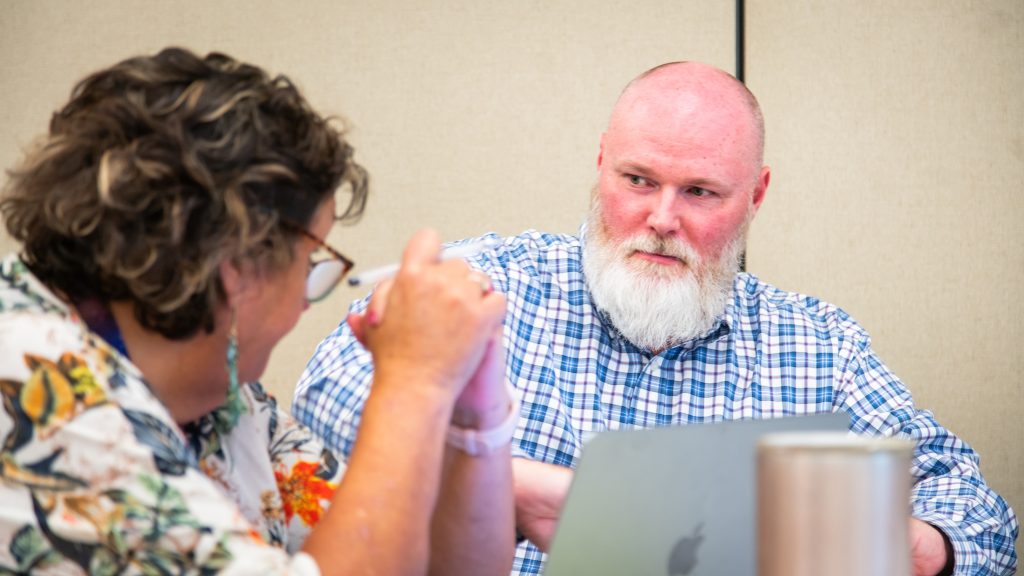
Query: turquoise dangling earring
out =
(227, 415)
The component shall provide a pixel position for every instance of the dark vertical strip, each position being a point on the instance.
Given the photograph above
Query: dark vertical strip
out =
(740, 73)
(740, 39)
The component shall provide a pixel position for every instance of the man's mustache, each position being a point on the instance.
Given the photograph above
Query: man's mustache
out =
(664, 246)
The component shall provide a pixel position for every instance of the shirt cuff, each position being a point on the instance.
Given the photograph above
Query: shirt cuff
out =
(963, 549)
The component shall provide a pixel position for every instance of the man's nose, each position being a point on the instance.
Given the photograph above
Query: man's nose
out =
(664, 212)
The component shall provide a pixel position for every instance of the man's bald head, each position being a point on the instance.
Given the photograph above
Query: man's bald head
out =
(680, 91)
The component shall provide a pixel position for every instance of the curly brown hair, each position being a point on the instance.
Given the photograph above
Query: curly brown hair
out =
(161, 167)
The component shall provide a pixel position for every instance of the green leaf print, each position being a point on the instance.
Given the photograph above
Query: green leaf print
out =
(30, 550)
(153, 514)
(104, 563)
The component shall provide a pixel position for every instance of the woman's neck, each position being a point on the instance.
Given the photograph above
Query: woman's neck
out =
(188, 376)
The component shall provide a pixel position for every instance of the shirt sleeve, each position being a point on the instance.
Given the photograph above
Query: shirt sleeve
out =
(333, 389)
(949, 491)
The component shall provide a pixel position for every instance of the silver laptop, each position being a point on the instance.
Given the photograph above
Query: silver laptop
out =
(675, 501)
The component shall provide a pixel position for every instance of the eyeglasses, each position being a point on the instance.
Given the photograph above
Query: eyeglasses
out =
(327, 266)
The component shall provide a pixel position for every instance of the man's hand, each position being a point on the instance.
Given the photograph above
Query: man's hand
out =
(540, 491)
(484, 402)
(928, 549)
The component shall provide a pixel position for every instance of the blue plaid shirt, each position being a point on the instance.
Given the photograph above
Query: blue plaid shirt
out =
(772, 354)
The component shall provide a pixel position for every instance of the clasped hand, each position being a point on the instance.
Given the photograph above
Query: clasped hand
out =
(434, 323)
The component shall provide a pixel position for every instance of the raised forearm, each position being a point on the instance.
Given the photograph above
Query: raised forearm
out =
(474, 523)
(379, 519)
(473, 526)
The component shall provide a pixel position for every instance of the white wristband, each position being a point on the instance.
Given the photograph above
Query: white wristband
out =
(483, 442)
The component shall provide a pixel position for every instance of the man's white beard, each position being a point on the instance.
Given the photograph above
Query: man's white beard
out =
(652, 305)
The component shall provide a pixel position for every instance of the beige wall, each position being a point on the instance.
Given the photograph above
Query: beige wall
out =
(894, 131)
(896, 138)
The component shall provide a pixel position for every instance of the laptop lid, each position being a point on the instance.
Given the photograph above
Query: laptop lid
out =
(676, 501)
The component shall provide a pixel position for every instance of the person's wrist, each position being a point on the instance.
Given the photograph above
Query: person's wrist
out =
(484, 440)
(481, 417)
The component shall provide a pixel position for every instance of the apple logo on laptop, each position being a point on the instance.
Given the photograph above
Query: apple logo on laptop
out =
(683, 559)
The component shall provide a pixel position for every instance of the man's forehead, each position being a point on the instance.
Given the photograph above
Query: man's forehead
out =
(689, 123)
(685, 120)
(669, 105)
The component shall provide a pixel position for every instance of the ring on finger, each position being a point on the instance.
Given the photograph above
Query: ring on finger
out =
(483, 281)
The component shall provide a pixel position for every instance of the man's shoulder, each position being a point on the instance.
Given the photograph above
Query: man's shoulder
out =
(758, 300)
(531, 251)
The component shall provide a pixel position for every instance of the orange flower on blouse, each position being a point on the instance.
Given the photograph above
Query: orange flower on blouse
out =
(304, 493)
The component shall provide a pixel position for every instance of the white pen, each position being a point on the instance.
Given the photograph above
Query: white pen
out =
(375, 275)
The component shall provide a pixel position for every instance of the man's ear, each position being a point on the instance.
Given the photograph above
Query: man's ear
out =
(600, 152)
(761, 187)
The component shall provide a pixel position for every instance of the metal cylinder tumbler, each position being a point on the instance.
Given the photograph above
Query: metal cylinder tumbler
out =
(833, 503)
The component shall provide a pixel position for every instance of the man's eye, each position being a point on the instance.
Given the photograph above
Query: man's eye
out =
(699, 192)
(637, 180)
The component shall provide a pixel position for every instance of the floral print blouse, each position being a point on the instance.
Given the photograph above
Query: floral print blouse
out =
(96, 478)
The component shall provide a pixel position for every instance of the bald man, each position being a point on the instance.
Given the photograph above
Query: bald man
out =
(643, 319)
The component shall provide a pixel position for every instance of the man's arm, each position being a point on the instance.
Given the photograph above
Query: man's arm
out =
(540, 491)
(949, 495)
